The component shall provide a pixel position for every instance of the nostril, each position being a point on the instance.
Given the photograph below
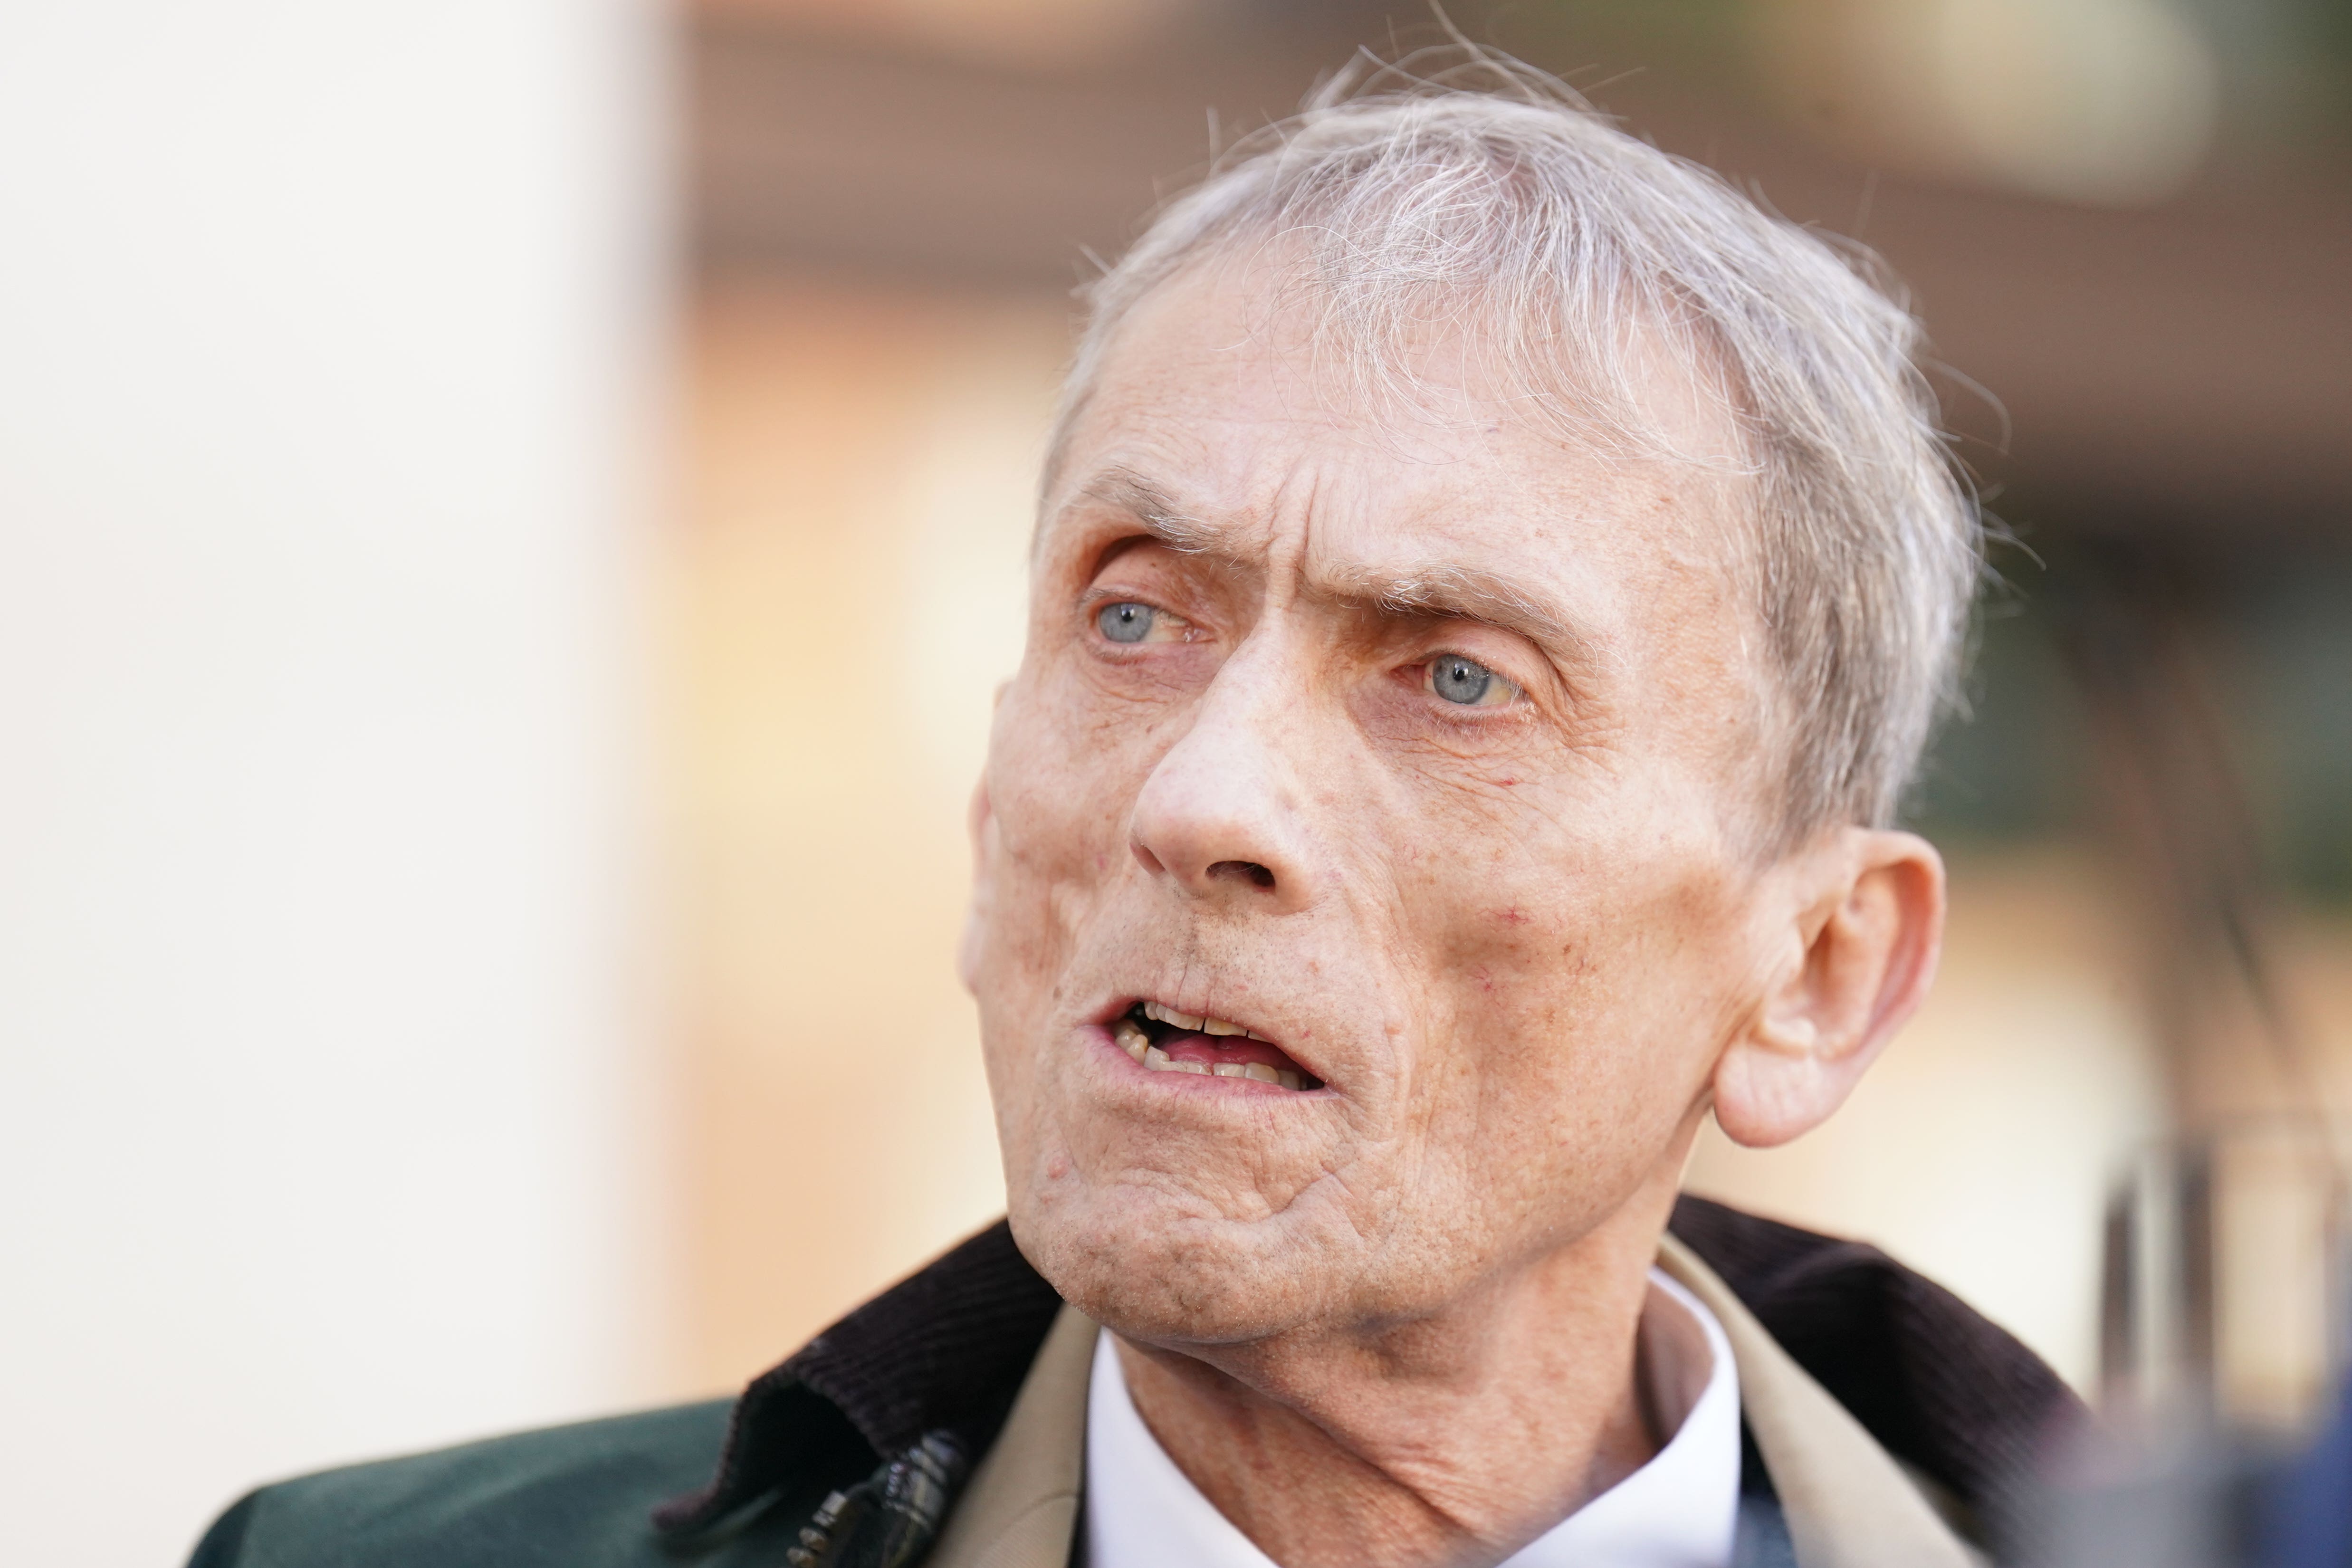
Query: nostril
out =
(1245, 870)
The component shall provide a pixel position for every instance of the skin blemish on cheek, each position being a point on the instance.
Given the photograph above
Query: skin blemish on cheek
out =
(1512, 916)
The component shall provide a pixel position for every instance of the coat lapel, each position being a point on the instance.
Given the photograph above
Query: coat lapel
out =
(1848, 1503)
(1020, 1508)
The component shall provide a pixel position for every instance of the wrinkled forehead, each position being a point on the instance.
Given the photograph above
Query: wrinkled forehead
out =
(1616, 370)
(1224, 404)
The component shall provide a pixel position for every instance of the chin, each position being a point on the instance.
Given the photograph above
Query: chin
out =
(1151, 1267)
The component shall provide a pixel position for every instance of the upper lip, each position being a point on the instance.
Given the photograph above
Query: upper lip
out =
(1176, 1012)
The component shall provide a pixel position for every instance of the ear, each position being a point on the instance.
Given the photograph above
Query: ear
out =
(980, 820)
(1860, 949)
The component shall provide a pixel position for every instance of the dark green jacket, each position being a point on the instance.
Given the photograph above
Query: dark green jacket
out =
(849, 1452)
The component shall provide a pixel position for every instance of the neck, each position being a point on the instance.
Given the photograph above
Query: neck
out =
(1455, 1439)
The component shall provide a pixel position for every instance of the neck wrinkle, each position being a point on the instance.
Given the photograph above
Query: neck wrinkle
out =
(1412, 1448)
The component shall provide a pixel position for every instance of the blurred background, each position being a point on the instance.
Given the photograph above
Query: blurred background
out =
(467, 958)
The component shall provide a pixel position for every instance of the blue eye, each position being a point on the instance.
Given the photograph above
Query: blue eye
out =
(1126, 622)
(1457, 679)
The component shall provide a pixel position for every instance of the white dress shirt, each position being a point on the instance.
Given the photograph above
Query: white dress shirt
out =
(1679, 1511)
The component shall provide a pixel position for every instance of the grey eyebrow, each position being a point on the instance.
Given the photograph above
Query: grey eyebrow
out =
(1156, 510)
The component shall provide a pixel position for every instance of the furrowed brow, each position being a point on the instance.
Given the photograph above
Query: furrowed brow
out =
(1447, 591)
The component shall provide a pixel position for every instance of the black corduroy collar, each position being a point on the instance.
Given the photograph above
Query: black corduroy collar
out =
(943, 1351)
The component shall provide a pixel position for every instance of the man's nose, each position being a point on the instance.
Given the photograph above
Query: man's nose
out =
(1220, 815)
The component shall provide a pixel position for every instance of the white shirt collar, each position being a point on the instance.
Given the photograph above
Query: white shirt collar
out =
(1679, 1511)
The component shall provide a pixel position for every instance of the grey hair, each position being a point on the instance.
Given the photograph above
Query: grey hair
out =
(1492, 204)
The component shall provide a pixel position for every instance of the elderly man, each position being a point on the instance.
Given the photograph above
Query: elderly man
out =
(1491, 585)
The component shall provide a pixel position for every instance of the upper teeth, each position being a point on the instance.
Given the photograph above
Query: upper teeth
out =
(1199, 1023)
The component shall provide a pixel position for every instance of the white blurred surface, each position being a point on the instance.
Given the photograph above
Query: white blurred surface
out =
(323, 336)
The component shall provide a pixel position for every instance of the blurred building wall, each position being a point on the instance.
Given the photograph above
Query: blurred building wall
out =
(841, 599)
(325, 344)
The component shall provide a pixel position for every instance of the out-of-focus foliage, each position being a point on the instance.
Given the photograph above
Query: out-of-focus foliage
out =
(2272, 640)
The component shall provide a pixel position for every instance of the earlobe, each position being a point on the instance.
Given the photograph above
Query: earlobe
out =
(1866, 926)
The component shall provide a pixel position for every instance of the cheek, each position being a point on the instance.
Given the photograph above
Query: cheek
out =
(1063, 785)
(1593, 987)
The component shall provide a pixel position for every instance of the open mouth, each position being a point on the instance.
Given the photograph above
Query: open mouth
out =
(1162, 1039)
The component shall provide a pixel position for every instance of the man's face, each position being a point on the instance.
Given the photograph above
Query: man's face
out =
(1431, 757)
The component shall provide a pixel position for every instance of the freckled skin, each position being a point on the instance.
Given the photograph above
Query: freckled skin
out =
(1392, 1320)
